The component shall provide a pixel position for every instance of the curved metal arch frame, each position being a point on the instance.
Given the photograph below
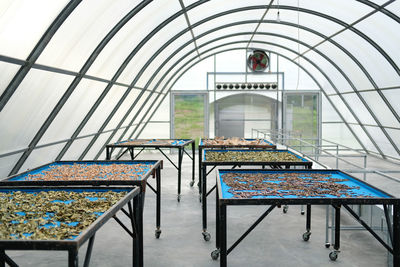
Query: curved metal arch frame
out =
(184, 31)
(203, 34)
(389, 138)
(386, 12)
(259, 42)
(36, 52)
(290, 8)
(244, 48)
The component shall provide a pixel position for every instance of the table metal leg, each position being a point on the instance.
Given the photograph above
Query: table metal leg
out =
(334, 254)
(158, 204)
(327, 244)
(193, 164)
(200, 173)
(2, 258)
(223, 237)
(206, 235)
(396, 235)
(180, 156)
(89, 252)
(73, 258)
(307, 234)
(138, 241)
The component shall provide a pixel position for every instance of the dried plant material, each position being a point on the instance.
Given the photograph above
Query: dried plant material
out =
(235, 141)
(51, 215)
(249, 185)
(79, 172)
(250, 156)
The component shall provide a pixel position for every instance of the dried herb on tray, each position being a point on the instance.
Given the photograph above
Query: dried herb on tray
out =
(77, 172)
(234, 141)
(250, 156)
(51, 215)
(248, 185)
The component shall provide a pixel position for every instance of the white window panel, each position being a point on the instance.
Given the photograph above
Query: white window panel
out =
(214, 7)
(23, 22)
(340, 105)
(41, 156)
(393, 97)
(103, 110)
(118, 134)
(142, 111)
(133, 32)
(255, 14)
(84, 29)
(357, 76)
(130, 99)
(394, 7)
(339, 133)
(395, 135)
(359, 109)
(7, 163)
(385, 32)
(8, 72)
(135, 109)
(380, 109)
(370, 58)
(155, 130)
(314, 22)
(291, 70)
(329, 114)
(151, 47)
(347, 11)
(331, 71)
(163, 112)
(29, 107)
(96, 147)
(158, 62)
(196, 77)
(77, 148)
(225, 31)
(73, 111)
(363, 138)
(382, 142)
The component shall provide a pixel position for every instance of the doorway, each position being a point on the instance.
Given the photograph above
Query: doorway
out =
(237, 115)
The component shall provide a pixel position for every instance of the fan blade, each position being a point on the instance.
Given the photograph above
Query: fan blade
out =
(254, 66)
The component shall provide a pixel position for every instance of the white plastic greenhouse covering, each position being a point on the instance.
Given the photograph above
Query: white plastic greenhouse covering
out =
(76, 75)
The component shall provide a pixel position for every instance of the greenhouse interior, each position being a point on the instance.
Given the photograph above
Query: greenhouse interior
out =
(199, 133)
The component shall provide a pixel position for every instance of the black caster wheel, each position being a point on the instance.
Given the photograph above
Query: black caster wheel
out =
(198, 184)
(333, 255)
(157, 233)
(302, 212)
(179, 198)
(206, 236)
(285, 209)
(306, 236)
(327, 245)
(215, 254)
(191, 183)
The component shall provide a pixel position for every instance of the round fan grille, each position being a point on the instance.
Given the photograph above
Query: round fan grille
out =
(258, 61)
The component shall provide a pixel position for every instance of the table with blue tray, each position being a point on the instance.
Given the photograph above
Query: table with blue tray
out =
(72, 244)
(156, 144)
(274, 164)
(355, 192)
(245, 143)
(149, 168)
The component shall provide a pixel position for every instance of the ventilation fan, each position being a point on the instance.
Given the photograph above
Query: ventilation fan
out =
(258, 61)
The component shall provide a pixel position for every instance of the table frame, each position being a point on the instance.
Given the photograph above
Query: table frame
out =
(221, 217)
(135, 214)
(203, 178)
(181, 151)
(155, 172)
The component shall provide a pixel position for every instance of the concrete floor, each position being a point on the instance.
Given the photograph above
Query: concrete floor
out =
(277, 241)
